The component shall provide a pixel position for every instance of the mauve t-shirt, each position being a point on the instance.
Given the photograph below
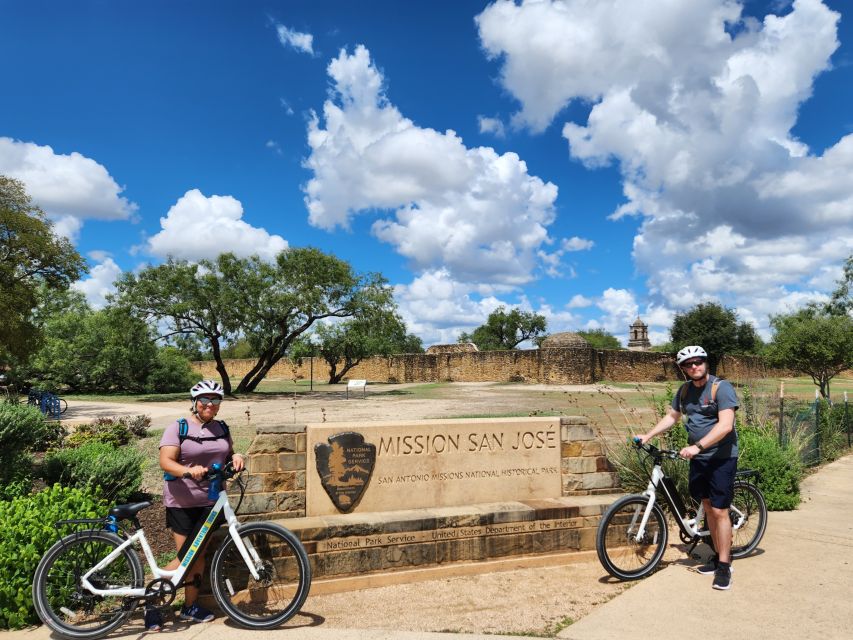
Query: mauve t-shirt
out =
(186, 492)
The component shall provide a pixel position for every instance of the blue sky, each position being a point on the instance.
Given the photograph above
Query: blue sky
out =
(587, 162)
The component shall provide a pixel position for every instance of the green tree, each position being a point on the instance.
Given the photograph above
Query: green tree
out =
(600, 339)
(350, 341)
(842, 298)
(268, 304)
(814, 342)
(503, 331)
(103, 350)
(31, 255)
(716, 329)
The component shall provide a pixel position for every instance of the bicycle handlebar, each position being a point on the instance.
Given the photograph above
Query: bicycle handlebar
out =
(223, 472)
(654, 452)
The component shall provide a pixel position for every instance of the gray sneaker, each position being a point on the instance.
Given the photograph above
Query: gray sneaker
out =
(723, 577)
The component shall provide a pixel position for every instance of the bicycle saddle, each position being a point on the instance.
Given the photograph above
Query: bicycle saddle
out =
(126, 511)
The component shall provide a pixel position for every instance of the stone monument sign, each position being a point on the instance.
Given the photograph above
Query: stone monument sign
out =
(385, 466)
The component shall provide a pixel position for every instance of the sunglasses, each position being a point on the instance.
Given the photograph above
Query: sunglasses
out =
(691, 363)
(206, 401)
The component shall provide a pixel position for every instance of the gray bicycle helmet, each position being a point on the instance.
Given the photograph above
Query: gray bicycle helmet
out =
(693, 351)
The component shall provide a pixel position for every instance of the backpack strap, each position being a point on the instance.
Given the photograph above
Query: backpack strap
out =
(682, 392)
(183, 434)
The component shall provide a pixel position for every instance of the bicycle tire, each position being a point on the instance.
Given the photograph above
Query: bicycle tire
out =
(60, 601)
(616, 545)
(285, 577)
(748, 499)
(63, 406)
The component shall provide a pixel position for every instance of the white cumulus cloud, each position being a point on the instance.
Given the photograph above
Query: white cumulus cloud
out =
(298, 40)
(476, 213)
(696, 104)
(101, 280)
(198, 226)
(70, 188)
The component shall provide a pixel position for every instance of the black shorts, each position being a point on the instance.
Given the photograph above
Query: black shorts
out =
(187, 521)
(713, 479)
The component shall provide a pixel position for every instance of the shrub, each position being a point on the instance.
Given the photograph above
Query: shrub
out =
(138, 425)
(21, 428)
(116, 471)
(28, 532)
(832, 436)
(779, 467)
(110, 431)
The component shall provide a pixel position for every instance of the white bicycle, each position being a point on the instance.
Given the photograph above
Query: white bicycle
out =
(90, 581)
(632, 534)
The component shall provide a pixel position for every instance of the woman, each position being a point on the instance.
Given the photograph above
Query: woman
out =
(185, 459)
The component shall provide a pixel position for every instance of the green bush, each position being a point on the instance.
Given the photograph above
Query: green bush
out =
(138, 425)
(22, 428)
(780, 467)
(28, 532)
(832, 435)
(16, 477)
(117, 472)
(106, 430)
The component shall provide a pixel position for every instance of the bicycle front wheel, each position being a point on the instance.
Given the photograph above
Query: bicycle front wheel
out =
(284, 580)
(620, 551)
(63, 406)
(62, 602)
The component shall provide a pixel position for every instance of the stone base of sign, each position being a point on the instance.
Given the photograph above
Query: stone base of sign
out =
(356, 544)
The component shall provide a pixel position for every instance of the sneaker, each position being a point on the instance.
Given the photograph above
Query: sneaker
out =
(196, 614)
(153, 620)
(723, 577)
(709, 567)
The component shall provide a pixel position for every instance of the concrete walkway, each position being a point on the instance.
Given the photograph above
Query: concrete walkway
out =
(800, 586)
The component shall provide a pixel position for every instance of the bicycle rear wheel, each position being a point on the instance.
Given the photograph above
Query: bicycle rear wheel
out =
(748, 513)
(285, 576)
(61, 601)
(619, 551)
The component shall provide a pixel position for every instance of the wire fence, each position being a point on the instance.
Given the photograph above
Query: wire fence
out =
(821, 430)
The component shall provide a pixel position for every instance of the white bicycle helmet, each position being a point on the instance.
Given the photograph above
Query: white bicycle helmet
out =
(693, 351)
(207, 387)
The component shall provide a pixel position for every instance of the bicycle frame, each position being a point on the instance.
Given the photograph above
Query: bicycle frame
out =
(222, 505)
(688, 526)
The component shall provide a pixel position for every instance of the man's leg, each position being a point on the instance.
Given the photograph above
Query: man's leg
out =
(720, 525)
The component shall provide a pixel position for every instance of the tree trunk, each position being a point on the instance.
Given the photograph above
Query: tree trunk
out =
(348, 364)
(220, 366)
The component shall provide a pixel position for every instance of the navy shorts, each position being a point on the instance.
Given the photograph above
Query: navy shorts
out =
(713, 479)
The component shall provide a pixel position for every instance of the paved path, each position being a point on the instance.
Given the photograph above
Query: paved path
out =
(800, 587)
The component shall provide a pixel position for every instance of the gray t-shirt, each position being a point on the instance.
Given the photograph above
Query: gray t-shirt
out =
(702, 415)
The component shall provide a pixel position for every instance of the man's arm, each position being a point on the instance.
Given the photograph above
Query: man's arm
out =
(665, 424)
(725, 423)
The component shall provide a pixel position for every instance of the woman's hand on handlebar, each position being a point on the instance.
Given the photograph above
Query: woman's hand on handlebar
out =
(642, 438)
(238, 463)
(196, 472)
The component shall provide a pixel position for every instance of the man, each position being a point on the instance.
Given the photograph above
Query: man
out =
(709, 404)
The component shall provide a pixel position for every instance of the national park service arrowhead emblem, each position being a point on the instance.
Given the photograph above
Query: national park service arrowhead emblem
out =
(345, 466)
